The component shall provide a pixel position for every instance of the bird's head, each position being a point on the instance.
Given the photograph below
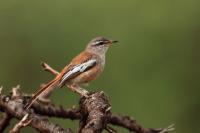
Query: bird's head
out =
(99, 45)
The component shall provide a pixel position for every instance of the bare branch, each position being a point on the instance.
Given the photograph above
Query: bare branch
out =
(93, 112)
(132, 125)
(59, 112)
(15, 108)
(94, 115)
(74, 114)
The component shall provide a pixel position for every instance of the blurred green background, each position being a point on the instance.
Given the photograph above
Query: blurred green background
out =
(152, 74)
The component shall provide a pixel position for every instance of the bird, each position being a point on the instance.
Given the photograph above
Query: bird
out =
(82, 69)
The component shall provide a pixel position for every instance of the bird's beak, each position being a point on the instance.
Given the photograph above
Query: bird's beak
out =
(112, 41)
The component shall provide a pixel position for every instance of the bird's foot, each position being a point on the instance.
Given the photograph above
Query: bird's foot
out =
(83, 92)
(79, 90)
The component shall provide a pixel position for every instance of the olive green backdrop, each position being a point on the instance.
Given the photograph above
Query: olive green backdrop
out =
(152, 74)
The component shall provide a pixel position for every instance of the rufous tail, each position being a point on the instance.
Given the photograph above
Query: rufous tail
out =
(52, 84)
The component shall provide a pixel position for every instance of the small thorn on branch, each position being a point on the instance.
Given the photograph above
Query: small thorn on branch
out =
(166, 130)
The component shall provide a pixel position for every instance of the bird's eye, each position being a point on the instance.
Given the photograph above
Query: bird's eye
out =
(99, 43)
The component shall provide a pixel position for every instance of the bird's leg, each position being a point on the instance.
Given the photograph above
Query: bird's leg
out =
(76, 88)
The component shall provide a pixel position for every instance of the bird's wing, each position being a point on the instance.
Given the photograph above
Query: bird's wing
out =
(77, 69)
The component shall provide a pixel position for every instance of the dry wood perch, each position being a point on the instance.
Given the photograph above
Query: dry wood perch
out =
(93, 113)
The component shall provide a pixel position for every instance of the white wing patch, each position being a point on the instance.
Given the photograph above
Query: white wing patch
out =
(77, 69)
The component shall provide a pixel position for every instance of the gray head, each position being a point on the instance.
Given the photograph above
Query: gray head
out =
(99, 45)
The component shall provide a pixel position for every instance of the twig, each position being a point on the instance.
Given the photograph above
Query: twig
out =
(23, 123)
(132, 125)
(165, 130)
(49, 69)
(126, 122)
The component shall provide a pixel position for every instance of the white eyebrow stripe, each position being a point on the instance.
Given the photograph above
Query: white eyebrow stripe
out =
(77, 69)
(97, 42)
